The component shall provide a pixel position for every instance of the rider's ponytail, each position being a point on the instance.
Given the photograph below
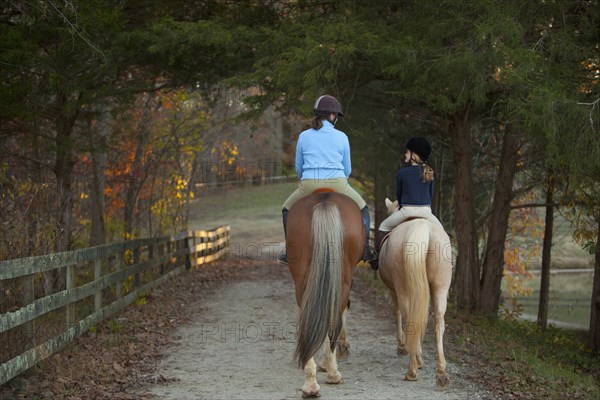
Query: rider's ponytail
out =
(427, 173)
(317, 122)
(426, 170)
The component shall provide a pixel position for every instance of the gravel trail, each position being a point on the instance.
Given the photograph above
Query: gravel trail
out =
(240, 341)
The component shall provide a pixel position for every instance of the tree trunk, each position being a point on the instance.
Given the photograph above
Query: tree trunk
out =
(439, 187)
(542, 318)
(466, 280)
(98, 150)
(594, 334)
(192, 186)
(493, 261)
(136, 180)
(133, 187)
(63, 169)
(384, 173)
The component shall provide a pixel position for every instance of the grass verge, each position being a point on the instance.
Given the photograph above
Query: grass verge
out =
(240, 201)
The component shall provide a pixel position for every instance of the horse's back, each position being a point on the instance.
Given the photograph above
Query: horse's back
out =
(438, 239)
(300, 215)
(305, 205)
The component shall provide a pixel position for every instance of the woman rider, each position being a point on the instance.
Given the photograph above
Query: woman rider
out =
(323, 161)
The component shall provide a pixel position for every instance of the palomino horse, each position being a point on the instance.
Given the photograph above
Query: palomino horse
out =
(325, 241)
(415, 264)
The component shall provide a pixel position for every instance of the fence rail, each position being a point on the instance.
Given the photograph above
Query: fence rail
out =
(113, 275)
(561, 302)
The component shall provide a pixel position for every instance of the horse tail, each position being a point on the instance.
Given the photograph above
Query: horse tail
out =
(320, 308)
(416, 284)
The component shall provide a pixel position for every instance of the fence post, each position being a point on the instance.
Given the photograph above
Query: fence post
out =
(151, 256)
(97, 276)
(136, 259)
(170, 252)
(28, 298)
(178, 246)
(194, 252)
(118, 267)
(161, 252)
(70, 309)
(188, 256)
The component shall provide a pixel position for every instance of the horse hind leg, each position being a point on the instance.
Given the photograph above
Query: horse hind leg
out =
(416, 358)
(400, 336)
(420, 351)
(343, 347)
(413, 369)
(420, 357)
(342, 351)
(311, 387)
(440, 303)
(329, 365)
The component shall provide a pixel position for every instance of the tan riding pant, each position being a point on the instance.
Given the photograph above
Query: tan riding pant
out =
(407, 212)
(308, 186)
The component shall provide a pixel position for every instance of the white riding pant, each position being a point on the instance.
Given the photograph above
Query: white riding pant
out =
(407, 212)
(308, 186)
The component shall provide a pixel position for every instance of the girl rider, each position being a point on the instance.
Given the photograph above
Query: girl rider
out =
(414, 191)
(323, 161)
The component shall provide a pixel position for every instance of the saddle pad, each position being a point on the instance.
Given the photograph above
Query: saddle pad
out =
(323, 190)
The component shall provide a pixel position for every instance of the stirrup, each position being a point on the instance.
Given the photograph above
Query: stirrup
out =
(374, 264)
(370, 254)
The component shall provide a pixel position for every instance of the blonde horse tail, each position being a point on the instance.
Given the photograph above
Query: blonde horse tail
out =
(320, 308)
(416, 284)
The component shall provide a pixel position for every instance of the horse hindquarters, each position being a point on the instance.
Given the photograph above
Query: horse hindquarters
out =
(322, 269)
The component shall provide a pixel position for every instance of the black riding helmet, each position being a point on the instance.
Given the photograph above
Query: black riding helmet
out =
(326, 105)
(420, 146)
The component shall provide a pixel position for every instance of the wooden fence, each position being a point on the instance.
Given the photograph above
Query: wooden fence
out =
(98, 282)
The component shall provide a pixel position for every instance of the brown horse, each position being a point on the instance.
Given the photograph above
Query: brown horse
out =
(325, 241)
(415, 264)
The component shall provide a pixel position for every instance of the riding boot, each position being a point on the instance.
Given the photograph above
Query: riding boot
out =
(379, 235)
(369, 254)
(282, 257)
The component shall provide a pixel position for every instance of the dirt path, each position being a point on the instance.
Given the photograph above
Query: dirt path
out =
(240, 341)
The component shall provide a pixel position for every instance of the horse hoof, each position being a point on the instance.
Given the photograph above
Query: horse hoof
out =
(334, 379)
(401, 351)
(442, 381)
(311, 391)
(343, 351)
(410, 377)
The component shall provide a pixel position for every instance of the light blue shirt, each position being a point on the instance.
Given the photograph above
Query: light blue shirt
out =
(323, 154)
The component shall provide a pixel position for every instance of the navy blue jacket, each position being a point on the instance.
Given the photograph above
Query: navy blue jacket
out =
(410, 188)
